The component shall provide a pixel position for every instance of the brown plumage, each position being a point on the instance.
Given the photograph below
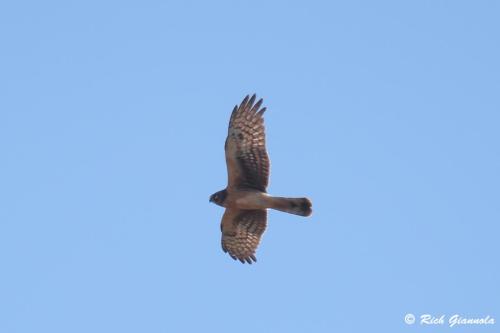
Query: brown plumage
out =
(245, 197)
(246, 155)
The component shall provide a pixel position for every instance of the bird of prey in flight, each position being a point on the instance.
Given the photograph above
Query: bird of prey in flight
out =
(245, 197)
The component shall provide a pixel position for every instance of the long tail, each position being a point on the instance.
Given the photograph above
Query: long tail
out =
(297, 206)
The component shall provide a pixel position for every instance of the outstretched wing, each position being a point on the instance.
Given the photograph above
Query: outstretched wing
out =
(241, 233)
(246, 155)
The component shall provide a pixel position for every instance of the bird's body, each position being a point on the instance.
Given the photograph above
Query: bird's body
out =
(255, 199)
(245, 197)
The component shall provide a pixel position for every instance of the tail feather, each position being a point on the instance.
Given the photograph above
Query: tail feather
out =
(297, 206)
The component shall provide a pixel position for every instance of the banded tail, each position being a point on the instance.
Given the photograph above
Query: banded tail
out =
(297, 206)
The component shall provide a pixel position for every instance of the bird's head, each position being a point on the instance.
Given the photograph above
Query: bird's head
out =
(218, 198)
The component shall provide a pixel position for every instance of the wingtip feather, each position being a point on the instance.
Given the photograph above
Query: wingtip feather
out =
(250, 102)
(257, 105)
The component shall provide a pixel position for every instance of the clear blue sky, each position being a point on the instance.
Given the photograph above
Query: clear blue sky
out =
(113, 117)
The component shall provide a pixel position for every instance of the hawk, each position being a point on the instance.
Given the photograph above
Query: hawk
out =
(245, 197)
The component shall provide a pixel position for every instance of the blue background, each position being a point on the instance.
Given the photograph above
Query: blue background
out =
(113, 117)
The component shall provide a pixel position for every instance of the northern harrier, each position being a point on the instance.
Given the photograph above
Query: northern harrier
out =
(245, 197)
